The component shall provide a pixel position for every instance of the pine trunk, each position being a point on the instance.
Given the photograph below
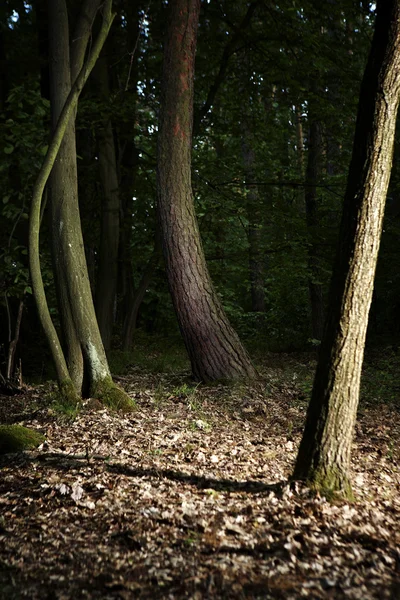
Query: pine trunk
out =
(214, 348)
(324, 455)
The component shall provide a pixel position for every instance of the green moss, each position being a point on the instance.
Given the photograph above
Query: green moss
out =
(66, 400)
(331, 483)
(112, 395)
(15, 438)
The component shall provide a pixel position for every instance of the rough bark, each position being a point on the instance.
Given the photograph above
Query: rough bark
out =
(106, 284)
(324, 455)
(214, 348)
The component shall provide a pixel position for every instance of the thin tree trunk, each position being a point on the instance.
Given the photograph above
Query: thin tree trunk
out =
(130, 320)
(324, 455)
(300, 141)
(313, 174)
(13, 343)
(254, 232)
(214, 348)
(129, 163)
(106, 284)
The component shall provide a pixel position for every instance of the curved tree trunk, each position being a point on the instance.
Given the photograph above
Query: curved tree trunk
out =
(214, 348)
(71, 257)
(65, 383)
(324, 454)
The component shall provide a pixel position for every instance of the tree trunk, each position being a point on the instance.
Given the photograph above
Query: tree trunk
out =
(254, 232)
(313, 174)
(69, 259)
(12, 349)
(137, 299)
(324, 455)
(214, 348)
(129, 163)
(63, 192)
(106, 284)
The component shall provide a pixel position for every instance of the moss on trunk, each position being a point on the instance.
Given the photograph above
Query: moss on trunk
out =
(331, 483)
(15, 438)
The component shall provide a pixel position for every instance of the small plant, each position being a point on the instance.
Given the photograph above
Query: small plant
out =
(155, 452)
(159, 395)
(200, 425)
(192, 538)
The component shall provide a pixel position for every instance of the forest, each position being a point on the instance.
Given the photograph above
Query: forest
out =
(199, 299)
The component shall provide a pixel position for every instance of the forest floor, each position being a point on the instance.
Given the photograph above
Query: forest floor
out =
(188, 497)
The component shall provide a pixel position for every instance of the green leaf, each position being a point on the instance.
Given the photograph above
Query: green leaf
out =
(6, 198)
(8, 149)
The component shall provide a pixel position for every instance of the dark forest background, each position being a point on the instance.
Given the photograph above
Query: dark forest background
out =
(276, 93)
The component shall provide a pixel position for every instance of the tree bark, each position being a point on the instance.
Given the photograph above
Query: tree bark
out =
(72, 252)
(324, 455)
(106, 284)
(254, 231)
(213, 346)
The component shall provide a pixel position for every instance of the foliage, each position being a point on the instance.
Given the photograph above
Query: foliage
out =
(151, 352)
(22, 145)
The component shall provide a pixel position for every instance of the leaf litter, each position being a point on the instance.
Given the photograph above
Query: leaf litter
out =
(188, 497)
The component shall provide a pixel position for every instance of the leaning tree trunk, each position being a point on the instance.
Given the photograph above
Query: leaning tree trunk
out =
(324, 455)
(214, 348)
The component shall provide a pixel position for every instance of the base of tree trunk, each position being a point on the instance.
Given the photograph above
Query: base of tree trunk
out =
(329, 482)
(68, 393)
(112, 395)
(15, 438)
